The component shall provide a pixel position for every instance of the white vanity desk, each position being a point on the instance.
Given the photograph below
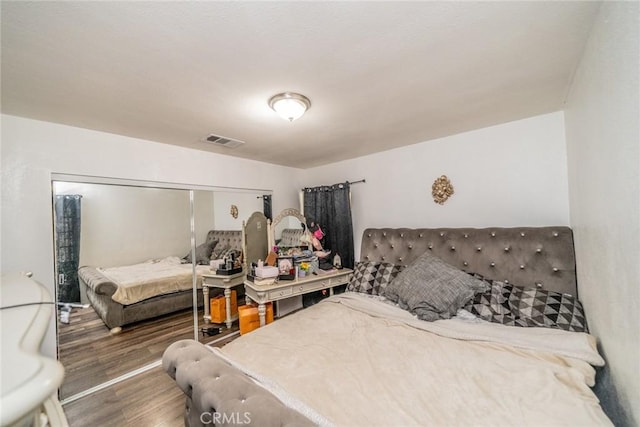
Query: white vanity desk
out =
(263, 294)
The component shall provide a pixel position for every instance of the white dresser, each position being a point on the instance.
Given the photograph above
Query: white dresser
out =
(30, 381)
(263, 294)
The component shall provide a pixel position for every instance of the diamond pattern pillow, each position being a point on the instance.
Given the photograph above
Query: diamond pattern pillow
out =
(373, 277)
(548, 309)
(528, 307)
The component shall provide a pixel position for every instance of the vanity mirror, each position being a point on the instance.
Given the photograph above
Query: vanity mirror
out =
(255, 238)
(289, 229)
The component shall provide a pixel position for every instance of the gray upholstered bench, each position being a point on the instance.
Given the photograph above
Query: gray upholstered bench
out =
(220, 394)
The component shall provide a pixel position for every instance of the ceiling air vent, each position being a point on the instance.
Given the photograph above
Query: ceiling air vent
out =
(223, 141)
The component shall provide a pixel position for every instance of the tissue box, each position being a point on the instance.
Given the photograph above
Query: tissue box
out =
(218, 307)
(267, 271)
(249, 319)
(215, 264)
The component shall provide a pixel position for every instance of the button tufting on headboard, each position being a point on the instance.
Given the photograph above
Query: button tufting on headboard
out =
(232, 238)
(513, 254)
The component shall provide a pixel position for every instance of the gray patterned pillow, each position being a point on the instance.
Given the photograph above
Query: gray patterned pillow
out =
(219, 250)
(373, 277)
(432, 289)
(529, 307)
(234, 253)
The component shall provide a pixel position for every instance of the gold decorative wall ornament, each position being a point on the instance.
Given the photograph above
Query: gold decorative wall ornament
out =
(234, 211)
(441, 189)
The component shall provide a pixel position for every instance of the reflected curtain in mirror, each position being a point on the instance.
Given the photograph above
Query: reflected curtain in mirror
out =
(67, 238)
(266, 206)
(330, 206)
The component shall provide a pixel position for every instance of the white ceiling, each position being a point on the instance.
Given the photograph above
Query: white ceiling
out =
(379, 74)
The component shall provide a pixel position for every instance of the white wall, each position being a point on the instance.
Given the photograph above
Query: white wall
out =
(124, 225)
(603, 145)
(32, 150)
(204, 218)
(512, 174)
(247, 204)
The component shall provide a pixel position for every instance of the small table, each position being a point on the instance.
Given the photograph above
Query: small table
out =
(221, 282)
(263, 294)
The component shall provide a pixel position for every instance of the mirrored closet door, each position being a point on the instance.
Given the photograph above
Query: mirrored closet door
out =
(135, 237)
(125, 278)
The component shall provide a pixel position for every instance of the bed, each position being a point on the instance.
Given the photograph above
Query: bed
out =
(128, 294)
(367, 357)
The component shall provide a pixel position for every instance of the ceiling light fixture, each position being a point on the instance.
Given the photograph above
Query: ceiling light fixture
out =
(289, 105)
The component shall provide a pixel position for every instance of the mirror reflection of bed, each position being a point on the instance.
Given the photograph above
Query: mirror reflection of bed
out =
(132, 228)
(289, 229)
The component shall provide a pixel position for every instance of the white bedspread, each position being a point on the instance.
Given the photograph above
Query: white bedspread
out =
(358, 361)
(151, 278)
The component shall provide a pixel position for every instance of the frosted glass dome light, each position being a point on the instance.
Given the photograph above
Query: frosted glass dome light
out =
(290, 106)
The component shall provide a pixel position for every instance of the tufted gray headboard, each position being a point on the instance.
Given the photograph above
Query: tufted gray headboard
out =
(232, 238)
(291, 237)
(525, 256)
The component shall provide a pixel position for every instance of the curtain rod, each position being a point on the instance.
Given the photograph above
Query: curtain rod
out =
(354, 182)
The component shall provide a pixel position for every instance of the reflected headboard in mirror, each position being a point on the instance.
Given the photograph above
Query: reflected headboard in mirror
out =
(255, 238)
(289, 229)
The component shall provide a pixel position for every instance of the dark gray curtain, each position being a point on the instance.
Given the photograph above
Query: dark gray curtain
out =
(67, 223)
(330, 206)
(266, 206)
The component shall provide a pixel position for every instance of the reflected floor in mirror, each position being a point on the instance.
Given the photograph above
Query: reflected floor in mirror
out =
(92, 356)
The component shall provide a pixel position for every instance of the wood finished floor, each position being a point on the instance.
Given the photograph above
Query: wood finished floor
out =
(151, 399)
(92, 356)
